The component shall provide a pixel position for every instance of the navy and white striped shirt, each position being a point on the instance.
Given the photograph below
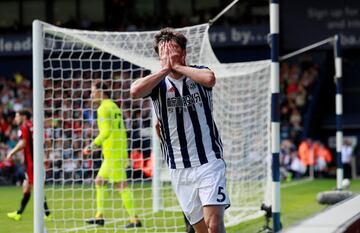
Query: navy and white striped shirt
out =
(189, 136)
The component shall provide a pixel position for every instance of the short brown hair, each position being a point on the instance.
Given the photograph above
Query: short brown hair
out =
(25, 113)
(167, 34)
(102, 86)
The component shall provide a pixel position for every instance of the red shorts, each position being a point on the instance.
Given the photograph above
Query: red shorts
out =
(29, 174)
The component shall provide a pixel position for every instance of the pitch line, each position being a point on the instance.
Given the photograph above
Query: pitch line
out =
(294, 183)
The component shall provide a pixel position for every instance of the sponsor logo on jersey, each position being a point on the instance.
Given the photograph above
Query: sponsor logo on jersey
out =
(191, 85)
(184, 101)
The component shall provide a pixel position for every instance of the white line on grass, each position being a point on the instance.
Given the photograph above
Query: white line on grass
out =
(294, 183)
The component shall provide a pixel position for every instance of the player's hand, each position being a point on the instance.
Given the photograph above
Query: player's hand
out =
(164, 57)
(8, 157)
(175, 56)
(86, 151)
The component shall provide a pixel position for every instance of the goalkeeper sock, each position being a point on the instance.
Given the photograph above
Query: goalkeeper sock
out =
(24, 201)
(128, 200)
(46, 208)
(100, 195)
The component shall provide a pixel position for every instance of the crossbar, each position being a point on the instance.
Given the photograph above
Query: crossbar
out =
(307, 48)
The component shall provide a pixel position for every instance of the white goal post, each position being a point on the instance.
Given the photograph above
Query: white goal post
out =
(66, 61)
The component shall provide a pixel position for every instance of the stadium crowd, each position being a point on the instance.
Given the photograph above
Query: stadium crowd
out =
(125, 15)
(299, 153)
(15, 94)
(70, 124)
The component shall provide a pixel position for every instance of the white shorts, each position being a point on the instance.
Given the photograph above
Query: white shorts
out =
(200, 186)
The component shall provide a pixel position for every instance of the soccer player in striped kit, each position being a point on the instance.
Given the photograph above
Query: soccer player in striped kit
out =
(113, 140)
(23, 119)
(190, 141)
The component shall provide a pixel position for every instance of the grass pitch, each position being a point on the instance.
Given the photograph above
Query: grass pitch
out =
(298, 201)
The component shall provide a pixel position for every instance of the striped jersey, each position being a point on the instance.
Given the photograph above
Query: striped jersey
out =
(189, 136)
(26, 133)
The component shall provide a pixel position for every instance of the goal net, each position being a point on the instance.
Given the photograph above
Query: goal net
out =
(73, 59)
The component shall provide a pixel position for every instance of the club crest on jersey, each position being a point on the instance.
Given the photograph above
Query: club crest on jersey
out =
(191, 85)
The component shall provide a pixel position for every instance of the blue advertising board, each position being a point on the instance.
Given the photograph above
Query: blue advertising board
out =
(15, 45)
(238, 36)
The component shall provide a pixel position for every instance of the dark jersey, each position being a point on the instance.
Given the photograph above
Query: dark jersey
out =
(26, 134)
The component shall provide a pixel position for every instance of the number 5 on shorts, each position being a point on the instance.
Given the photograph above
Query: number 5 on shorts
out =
(221, 195)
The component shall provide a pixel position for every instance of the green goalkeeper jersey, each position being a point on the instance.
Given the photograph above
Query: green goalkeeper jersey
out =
(112, 136)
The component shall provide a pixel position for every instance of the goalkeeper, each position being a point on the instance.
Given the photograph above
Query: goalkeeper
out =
(113, 140)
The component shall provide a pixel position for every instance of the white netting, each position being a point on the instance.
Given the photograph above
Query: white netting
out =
(241, 110)
(73, 58)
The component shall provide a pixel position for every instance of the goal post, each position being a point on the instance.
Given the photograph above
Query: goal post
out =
(339, 110)
(68, 60)
(38, 100)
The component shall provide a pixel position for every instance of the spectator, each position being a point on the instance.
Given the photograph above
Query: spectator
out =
(323, 157)
(296, 167)
(306, 152)
(346, 157)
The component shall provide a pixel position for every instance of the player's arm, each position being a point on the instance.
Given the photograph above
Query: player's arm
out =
(143, 86)
(204, 77)
(104, 114)
(19, 146)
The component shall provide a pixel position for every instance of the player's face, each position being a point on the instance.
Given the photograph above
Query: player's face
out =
(18, 119)
(173, 45)
(162, 50)
(95, 94)
(176, 47)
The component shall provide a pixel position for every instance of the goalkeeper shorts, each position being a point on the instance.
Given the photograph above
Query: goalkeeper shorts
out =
(200, 186)
(113, 171)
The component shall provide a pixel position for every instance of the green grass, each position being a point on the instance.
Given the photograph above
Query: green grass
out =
(297, 202)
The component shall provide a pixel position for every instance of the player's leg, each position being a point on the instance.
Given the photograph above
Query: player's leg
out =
(185, 186)
(26, 188)
(100, 183)
(47, 216)
(100, 186)
(213, 221)
(214, 218)
(26, 196)
(118, 177)
(213, 194)
(100, 196)
(188, 227)
(200, 227)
